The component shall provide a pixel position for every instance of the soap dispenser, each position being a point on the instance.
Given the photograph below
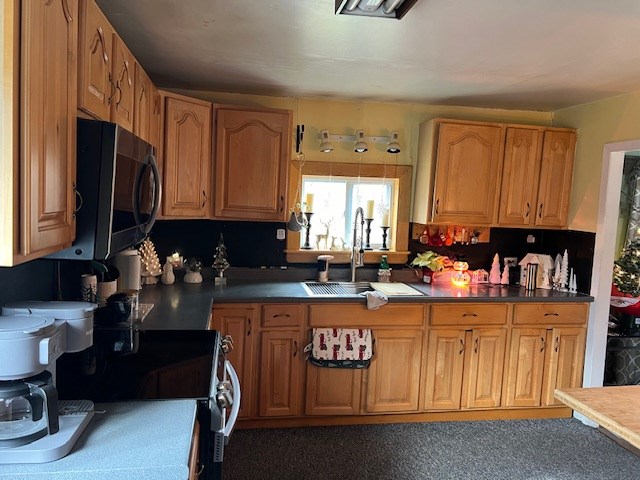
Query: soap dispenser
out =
(323, 267)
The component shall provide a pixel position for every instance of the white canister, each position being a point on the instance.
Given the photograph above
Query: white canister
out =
(128, 264)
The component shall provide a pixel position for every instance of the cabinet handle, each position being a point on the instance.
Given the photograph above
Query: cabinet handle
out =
(528, 209)
(249, 330)
(540, 210)
(142, 92)
(295, 348)
(557, 344)
(119, 91)
(461, 347)
(79, 195)
(437, 204)
(67, 12)
(200, 471)
(205, 198)
(469, 314)
(281, 203)
(475, 347)
(113, 89)
(542, 340)
(551, 315)
(100, 39)
(286, 315)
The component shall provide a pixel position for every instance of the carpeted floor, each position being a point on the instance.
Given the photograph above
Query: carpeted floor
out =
(514, 450)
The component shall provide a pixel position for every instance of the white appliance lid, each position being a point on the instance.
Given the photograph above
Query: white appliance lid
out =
(24, 326)
(60, 310)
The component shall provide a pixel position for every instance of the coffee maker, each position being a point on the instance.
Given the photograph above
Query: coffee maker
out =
(34, 426)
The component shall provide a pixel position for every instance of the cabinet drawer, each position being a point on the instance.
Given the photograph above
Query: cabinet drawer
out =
(341, 315)
(281, 315)
(550, 313)
(469, 314)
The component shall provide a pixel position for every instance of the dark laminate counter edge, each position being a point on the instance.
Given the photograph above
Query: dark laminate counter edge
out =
(183, 306)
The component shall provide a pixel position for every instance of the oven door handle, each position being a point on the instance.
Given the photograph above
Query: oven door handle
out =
(235, 408)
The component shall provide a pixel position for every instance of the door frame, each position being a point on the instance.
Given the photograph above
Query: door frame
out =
(604, 252)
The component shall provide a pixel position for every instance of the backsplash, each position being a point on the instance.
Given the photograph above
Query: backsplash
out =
(254, 245)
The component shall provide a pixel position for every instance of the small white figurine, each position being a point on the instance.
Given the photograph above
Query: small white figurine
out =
(167, 277)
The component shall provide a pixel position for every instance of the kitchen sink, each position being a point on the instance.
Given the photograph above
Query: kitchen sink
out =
(331, 289)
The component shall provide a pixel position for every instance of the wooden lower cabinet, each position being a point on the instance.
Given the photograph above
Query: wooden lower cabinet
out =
(393, 378)
(464, 368)
(239, 322)
(566, 359)
(333, 391)
(281, 366)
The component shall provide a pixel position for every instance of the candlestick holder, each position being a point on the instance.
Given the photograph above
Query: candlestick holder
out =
(367, 230)
(384, 238)
(307, 226)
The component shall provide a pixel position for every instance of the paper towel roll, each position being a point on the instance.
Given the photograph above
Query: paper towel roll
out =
(128, 264)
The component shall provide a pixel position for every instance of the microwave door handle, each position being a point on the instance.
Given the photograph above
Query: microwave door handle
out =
(157, 190)
(235, 408)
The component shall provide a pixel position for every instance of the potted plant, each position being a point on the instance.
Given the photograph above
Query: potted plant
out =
(429, 262)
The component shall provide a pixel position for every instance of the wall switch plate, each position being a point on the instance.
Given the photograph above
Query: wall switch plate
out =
(511, 261)
(280, 234)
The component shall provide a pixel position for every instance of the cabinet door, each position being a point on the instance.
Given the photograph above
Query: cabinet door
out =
(486, 365)
(520, 172)
(187, 158)
(155, 121)
(556, 172)
(95, 86)
(143, 105)
(333, 391)
(239, 322)
(468, 168)
(252, 157)
(525, 367)
(394, 373)
(281, 362)
(123, 75)
(49, 43)
(565, 361)
(445, 362)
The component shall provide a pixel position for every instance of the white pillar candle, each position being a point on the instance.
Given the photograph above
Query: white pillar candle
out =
(309, 202)
(385, 218)
(370, 205)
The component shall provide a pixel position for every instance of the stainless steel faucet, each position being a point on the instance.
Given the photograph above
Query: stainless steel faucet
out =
(357, 255)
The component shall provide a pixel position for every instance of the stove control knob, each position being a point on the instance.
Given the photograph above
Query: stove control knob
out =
(224, 398)
(226, 344)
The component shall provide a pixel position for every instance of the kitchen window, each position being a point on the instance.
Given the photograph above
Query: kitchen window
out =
(335, 191)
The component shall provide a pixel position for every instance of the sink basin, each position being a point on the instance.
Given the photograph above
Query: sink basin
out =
(332, 289)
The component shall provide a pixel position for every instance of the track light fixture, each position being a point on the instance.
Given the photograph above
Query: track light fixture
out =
(361, 145)
(361, 142)
(374, 8)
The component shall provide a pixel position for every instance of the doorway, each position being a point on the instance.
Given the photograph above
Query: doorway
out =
(604, 252)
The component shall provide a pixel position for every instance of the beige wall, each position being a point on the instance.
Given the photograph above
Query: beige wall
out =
(345, 117)
(612, 120)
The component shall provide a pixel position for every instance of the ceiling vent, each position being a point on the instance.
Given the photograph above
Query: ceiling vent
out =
(374, 8)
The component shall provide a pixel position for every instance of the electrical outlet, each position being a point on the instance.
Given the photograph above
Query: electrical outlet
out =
(280, 234)
(531, 239)
(511, 261)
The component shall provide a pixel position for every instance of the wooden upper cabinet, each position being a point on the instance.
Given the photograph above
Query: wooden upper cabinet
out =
(143, 107)
(186, 157)
(123, 76)
(469, 159)
(253, 149)
(48, 89)
(556, 171)
(518, 197)
(95, 86)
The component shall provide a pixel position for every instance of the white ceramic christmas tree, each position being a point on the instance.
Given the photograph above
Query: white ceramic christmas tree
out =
(150, 262)
(504, 279)
(564, 271)
(494, 274)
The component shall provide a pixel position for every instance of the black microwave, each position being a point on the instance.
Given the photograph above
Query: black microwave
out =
(118, 187)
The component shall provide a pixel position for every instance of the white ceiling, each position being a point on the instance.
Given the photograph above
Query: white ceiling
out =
(534, 55)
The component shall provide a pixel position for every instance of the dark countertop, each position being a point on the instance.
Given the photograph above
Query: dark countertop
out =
(183, 306)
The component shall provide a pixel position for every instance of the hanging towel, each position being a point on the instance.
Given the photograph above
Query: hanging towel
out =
(341, 347)
(375, 299)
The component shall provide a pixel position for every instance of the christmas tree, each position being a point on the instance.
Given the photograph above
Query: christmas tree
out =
(494, 274)
(220, 262)
(149, 261)
(626, 270)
